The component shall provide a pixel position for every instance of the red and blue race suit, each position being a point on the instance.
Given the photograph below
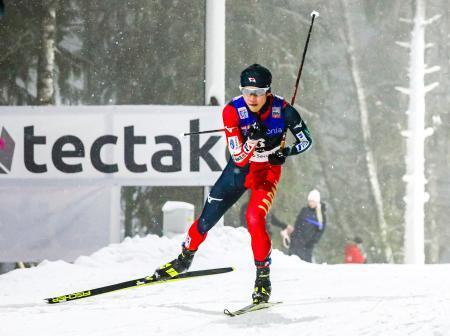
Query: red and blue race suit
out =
(248, 168)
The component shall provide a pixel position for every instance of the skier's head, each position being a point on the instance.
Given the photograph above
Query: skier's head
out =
(256, 76)
(255, 86)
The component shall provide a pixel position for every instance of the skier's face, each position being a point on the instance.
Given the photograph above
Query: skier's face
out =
(254, 97)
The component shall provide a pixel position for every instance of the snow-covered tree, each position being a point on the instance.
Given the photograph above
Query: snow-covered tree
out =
(416, 133)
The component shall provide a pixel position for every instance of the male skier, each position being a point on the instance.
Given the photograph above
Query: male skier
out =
(254, 126)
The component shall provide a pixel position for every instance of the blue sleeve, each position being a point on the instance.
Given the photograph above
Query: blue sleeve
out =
(299, 129)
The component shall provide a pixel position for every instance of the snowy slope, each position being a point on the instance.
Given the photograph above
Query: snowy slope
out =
(318, 299)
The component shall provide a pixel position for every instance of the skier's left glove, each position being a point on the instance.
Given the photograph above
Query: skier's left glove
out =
(279, 157)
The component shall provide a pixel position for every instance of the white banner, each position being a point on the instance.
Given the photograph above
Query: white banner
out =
(55, 222)
(122, 145)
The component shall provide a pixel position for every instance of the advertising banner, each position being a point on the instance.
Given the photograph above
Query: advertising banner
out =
(127, 145)
(61, 169)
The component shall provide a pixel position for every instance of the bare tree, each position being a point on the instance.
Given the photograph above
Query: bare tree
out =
(46, 63)
(365, 127)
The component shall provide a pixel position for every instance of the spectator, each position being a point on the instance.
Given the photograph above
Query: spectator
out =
(354, 252)
(213, 101)
(308, 228)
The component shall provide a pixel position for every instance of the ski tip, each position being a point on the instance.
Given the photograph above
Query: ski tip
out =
(54, 300)
(227, 312)
(251, 308)
(50, 300)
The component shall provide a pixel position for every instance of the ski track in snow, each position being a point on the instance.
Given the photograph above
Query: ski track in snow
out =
(317, 299)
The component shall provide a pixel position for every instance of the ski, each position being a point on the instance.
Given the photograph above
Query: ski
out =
(251, 308)
(146, 281)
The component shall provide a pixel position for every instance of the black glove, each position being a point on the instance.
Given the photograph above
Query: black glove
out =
(323, 206)
(257, 131)
(277, 158)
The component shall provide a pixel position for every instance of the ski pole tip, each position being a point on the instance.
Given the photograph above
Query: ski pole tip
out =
(315, 13)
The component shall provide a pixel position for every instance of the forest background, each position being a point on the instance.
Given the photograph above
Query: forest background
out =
(153, 52)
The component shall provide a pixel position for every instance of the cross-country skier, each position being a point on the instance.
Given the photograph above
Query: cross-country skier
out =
(254, 125)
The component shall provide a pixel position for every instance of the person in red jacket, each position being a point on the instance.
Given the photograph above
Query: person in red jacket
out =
(354, 253)
(254, 124)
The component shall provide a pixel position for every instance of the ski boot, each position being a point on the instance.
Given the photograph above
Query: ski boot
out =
(176, 266)
(263, 287)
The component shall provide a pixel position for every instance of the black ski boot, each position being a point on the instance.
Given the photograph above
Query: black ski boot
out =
(262, 285)
(176, 266)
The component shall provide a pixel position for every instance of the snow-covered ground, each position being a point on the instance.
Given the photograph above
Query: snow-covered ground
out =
(318, 299)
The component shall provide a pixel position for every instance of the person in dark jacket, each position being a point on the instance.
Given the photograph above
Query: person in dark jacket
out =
(307, 230)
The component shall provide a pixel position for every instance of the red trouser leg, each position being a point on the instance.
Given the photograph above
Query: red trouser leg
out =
(258, 207)
(194, 238)
(262, 180)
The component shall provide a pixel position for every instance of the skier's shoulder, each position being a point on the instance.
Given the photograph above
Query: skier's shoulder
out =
(229, 115)
(289, 112)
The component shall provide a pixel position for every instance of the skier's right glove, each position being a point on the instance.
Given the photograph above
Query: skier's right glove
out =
(257, 131)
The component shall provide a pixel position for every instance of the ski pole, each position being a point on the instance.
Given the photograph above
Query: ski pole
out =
(204, 132)
(313, 16)
(283, 139)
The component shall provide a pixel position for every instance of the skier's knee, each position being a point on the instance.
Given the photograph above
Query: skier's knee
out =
(255, 223)
(203, 225)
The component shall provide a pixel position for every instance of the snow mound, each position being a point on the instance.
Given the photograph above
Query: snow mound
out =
(317, 299)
